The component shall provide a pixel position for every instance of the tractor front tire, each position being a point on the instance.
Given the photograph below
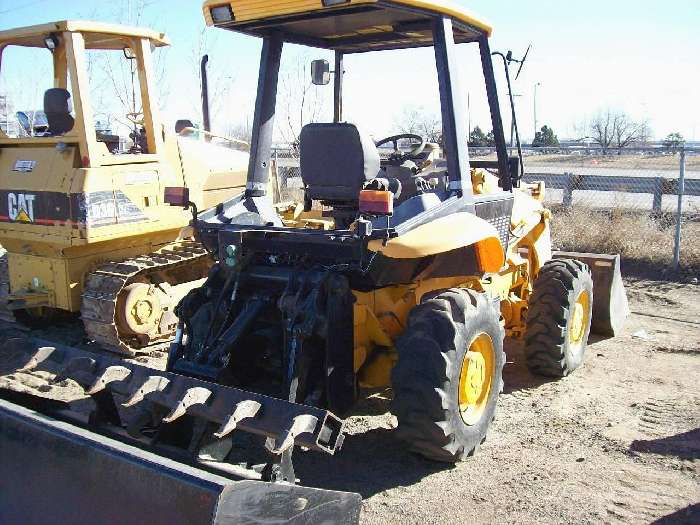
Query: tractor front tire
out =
(449, 375)
(559, 318)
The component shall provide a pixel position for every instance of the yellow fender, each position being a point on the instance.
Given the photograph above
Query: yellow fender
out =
(445, 234)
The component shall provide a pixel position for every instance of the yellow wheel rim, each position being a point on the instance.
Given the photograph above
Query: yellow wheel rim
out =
(580, 318)
(475, 378)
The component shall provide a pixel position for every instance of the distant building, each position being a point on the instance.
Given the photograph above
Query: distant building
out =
(8, 121)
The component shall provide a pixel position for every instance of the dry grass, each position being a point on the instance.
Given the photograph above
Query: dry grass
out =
(636, 236)
(636, 162)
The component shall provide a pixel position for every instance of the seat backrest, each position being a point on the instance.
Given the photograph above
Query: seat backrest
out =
(57, 106)
(336, 160)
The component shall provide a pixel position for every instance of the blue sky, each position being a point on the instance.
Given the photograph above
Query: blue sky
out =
(638, 56)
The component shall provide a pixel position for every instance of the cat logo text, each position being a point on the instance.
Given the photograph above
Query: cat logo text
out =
(20, 207)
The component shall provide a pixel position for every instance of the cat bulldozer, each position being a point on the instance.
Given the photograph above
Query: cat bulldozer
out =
(405, 270)
(82, 215)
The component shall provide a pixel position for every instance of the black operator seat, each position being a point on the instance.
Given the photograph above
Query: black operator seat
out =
(336, 161)
(58, 107)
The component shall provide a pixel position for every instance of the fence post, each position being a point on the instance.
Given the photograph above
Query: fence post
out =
(679, 216)
(567, 197)
(658, 195)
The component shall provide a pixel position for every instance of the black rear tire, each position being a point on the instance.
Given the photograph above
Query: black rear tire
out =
(426, 380)
(555, 344)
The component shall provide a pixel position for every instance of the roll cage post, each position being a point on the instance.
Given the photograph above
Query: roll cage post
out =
(264, 118)
(338, 88)
(454, 119)
(507, 179)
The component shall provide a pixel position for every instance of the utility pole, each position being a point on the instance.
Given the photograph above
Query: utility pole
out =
(534, 103)
(512, 124)
(469, 115)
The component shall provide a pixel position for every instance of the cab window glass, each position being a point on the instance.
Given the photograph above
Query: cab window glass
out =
(115, 95)
(26, 74)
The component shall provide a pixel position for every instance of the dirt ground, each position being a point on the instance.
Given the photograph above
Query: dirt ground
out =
(616, 442)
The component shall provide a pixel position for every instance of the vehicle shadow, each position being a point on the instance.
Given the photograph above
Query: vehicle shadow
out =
(683, 446)
(369, 463)
(517, 377)
(373, 460)
(689, 515)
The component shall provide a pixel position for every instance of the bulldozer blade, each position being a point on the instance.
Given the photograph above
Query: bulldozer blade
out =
(53, 471)
(610, 307)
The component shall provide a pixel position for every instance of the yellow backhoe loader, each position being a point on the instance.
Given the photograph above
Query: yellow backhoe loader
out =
(82, 215)
(405, 272)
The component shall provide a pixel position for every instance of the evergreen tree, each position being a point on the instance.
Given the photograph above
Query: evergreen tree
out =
(545, 138)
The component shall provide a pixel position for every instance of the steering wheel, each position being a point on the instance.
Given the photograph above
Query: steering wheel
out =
(398, 157)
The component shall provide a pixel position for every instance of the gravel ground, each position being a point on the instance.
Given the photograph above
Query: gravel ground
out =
(616, 442)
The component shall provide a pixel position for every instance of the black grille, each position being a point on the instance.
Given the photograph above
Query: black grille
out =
(502, 225)
(497, 212)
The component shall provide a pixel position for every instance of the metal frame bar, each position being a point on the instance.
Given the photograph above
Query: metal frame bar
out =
(454, 119)
(496, 121)
(338, 88)
(264, 119)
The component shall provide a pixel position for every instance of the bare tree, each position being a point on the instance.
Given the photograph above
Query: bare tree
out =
(114, 81)
(417, 120)
(299, 100)
(627, 131)
(617, 129)
(242, 130)
(602, 130)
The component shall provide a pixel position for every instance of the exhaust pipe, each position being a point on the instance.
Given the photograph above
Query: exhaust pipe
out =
(205, 93)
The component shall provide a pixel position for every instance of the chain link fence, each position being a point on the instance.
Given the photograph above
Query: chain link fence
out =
(643, 204)
(285, 165)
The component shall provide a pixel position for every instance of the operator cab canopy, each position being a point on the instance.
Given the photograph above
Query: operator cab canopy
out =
(97, 35)
(69, 44)
(348, 26)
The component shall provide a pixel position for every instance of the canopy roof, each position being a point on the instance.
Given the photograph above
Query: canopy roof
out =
(97, 35)
(350, 26)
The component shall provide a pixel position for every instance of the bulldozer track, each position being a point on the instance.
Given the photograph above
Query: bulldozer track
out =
(56, 372)
(103, 286)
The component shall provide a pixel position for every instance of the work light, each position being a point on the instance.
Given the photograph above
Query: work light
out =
(51, 42)
(221, 13)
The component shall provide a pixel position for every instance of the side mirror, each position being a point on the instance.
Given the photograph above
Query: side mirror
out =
(320, 72)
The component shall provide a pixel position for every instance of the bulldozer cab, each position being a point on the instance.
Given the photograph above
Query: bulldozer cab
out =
(402, 205)
(69, 104)
(359, 27)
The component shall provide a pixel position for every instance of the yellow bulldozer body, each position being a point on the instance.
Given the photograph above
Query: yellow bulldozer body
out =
(68, 204)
